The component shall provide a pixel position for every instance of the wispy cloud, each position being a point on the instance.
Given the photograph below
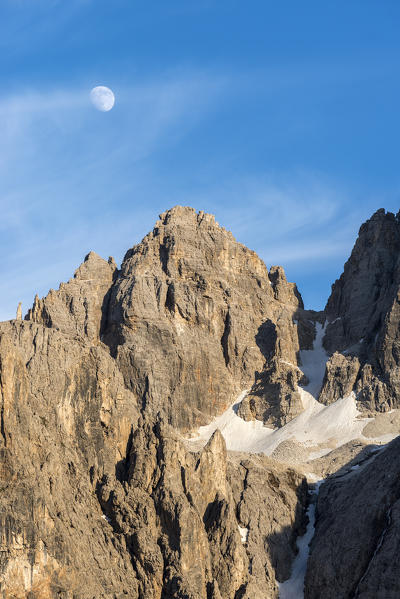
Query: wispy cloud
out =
(67, 172)
(74, 180)
(286, 218)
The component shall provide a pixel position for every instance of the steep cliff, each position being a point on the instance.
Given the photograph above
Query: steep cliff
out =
(194, 314)
(354, 552)
(103, 496)
(100, 497)
(363, 316)
(94, 503)
(78, 307)
(66, 419)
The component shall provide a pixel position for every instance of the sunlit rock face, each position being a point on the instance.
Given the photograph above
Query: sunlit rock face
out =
(78, 307)
(100, 498)
(194, 315)
(103, 494)
(66, 419)
(95, 503)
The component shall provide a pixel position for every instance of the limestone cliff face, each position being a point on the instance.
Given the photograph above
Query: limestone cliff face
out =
(354, 552)
(180, 517)
(78, 307)
(66, 418)
(363, 319)
(95, 503)
(99, 496)
(194, 314)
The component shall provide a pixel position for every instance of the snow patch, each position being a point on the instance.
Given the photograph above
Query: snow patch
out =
(313, 363)
(293, 588)
(318, 424)
(239, 435)
(244, 533)
(336, 319)
(289, 364)
(328, 426)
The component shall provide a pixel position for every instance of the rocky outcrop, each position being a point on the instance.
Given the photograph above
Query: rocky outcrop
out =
(356, 542)
(79, 307)
(194, 314)
(88, 509)
(363, 295)
(340, 377)
(270, 502)
(98, 501)
(364, 319)
(274, 398)
(100, 497)
(181, 514)
(66, 419)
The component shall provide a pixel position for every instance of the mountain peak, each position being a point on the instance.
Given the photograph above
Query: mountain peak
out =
(185, 215)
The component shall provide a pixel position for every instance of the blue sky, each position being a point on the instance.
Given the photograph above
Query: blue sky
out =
(281, 118)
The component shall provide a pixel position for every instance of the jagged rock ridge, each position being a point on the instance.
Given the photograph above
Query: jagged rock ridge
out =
(95, 503)
(100, 496)
(191, 313)
(363, 315)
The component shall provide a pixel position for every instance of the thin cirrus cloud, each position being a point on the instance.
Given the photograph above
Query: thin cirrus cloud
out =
(48, 134)
(66, 171)
(148, 112)
(286, 218)
(74, 180)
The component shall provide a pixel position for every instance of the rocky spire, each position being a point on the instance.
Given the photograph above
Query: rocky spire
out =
(79, 306)
(19, 311)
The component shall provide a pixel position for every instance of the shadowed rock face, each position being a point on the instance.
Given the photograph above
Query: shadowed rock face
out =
(363, 319)
(365, 292)
(354, 552)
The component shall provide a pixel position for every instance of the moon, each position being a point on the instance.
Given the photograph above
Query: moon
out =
(102, 98)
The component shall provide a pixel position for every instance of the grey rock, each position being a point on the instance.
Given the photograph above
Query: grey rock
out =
(66, 418)
(363, 318)
(183, 511)
(96, 503)
(195, 314)
(270, 502)
(355, 546)
(340, 377)
(100, 496)
(78, 307)
(364, 293)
